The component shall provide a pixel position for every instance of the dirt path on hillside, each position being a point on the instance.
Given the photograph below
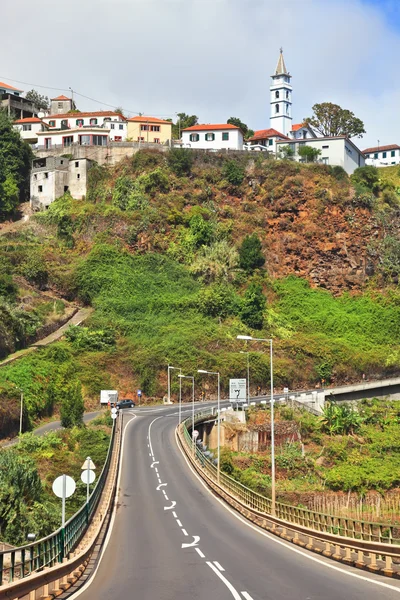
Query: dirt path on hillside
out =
(77, 319)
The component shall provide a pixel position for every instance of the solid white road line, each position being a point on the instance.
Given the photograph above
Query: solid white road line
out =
(228, 584)
(276, 540)
(246, 596)
(216, 563)
(199, 552)
(114, 513)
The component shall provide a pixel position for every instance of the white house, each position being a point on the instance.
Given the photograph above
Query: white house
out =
(266, 138)
(116, 123)
(81, 136)
(29, 128)
(335, 151)
(382, 156)
(213, 137)
(300, 131)
(53, 176)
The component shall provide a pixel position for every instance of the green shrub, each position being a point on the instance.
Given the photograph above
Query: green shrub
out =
(253, 306)
(233, 172)
(250, 253)
(180, 161)
(368, 177)
(89, 339)
(72, 406)
(35, 270)
(218, 300)
(155, 181)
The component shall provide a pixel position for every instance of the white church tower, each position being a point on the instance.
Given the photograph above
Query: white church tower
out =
(281, 98)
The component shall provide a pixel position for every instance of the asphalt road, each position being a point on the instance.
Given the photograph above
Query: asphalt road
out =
(171, 539)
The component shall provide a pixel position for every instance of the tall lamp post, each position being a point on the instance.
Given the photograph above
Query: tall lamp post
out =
(248, 375)
(219, 417)
(170, 368)
(192, 378)
(21, 412)
(273, 493)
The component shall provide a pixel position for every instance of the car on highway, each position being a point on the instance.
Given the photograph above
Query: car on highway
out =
(125, 404)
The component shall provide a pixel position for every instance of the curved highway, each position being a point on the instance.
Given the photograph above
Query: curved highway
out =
(171, 539)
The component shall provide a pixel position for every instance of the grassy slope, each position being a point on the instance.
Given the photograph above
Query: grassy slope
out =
(134, 266)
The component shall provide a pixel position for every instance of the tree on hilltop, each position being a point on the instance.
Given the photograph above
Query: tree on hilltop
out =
(41, 102)
(331, 120)
(183, 122)
(247, 133)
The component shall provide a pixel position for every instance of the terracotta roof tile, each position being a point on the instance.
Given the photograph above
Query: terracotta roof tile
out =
(61, 98)
(28, 120)
(142, 119)
(381, 148)
(211, 127)
(77, 115)
(263, 134)
(9, 87)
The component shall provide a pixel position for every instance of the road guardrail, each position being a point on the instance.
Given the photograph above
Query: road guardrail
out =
(368, 545)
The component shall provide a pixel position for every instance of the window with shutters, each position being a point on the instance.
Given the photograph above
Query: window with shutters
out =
(52, 123)
(210, 137)
(93, 121)
(194, 137)
(383, 154)
(270, 142)
(225, 136)
(156, 140)
(391, 154)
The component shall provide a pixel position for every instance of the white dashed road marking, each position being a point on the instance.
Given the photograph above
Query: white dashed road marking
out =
(218, 566)
(199, 552)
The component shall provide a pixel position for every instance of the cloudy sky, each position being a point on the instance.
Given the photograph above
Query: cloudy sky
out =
(212, 58)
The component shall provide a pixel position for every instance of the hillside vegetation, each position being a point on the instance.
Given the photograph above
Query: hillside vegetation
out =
(180, 252)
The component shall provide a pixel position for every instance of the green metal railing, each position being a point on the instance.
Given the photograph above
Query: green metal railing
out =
(21, 562)
(341, 526)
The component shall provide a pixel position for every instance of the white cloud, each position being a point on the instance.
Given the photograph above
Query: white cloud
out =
(210, 57)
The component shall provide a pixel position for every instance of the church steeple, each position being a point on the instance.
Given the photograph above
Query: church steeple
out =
(281, 67)
(281, 98)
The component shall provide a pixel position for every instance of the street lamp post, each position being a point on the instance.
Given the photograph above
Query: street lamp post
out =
(21, 411)
(248, 375)
(219, 417)
(192, 378)
(170, 368)
(273, 493)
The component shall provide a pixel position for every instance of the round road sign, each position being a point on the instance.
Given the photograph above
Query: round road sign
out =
(114, 415)
(58, 485)
(114, 410)
(88, 476)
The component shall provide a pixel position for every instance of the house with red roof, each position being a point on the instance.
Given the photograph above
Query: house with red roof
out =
(223, 136)
(113, 122)
(382, 156)
(29, 128)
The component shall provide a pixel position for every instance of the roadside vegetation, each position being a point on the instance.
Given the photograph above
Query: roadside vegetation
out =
(345, 462)
(27, 472)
